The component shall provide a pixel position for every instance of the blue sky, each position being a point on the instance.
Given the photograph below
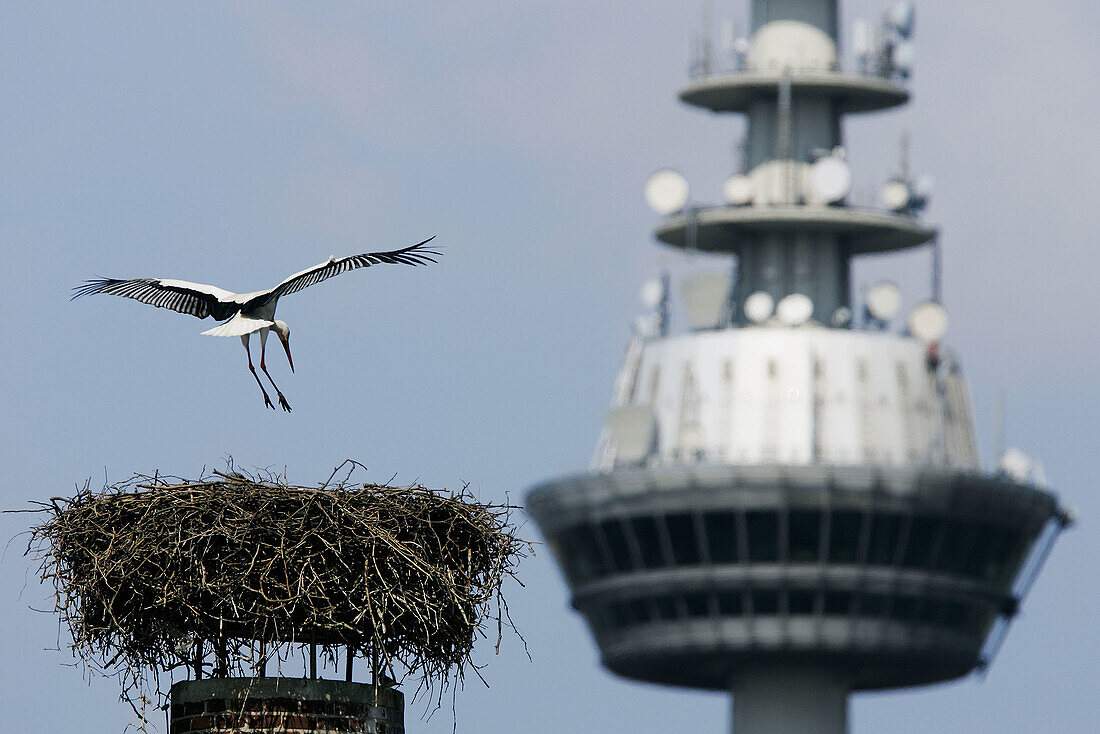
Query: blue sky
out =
(236, 144)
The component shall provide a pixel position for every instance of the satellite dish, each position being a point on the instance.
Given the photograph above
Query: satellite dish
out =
(795, 309)
(895, 195)
(903, 17)
(759, 306)
(928, 321)
(778, 181)
(738, 190)
(791, 44)
(901, 59)
(830, 179)
(884, 300)
(842, 317)
(666, 191)
(652, 293)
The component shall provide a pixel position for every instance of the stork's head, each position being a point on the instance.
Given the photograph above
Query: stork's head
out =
(283, 331)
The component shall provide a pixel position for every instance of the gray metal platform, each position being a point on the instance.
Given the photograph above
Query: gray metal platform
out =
(718, 228)
(691, 575)
(736, 91)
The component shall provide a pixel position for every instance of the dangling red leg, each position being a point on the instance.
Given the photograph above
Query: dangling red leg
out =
(267, 400)
(263, 352)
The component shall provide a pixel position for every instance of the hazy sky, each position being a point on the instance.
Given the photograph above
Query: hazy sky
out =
(237, 143)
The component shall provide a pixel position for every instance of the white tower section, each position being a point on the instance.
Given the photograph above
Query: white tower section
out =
(798, 396)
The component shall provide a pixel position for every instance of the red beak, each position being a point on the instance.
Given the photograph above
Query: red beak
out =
(286, 348)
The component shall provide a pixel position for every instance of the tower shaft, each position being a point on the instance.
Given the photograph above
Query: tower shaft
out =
(794, 699)
(791, 126)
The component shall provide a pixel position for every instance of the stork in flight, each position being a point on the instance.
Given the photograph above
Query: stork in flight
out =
(245, 313)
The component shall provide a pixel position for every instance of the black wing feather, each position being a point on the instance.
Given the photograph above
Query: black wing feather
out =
(413, 255)
(155, 293)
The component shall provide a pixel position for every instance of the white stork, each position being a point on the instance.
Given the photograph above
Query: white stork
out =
(245, 313)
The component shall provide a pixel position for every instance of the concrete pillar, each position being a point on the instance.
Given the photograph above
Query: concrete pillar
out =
(284, 706)
(791, 699)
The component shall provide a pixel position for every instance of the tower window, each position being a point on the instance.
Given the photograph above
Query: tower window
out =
(616, 543)
(730, 604)
(918, 551)
(885, 534)
(666, 607)
(682, 538)
(695, 602)
(765, 601)
(838, 603)
(649, 542)
(805, 536)
(844, 531)
(763, 532)
(580, 554)
(721, 532)
(800, 601)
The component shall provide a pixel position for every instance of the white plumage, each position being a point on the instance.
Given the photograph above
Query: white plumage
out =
(239, 325)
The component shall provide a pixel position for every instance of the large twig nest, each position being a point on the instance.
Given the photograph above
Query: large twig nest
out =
(147, 570)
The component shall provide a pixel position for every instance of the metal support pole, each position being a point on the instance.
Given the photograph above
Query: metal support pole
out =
(221, 658)
(261, 663)
(312, 656)
(937, 270)
(198, 659)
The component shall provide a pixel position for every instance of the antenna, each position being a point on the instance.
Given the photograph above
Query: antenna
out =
(783, 132)
(861, 42)
(705, 42)
(999, 426)
(903, 157)
(739, 154)
(901, 59)
(663, 306)
(903, 19)
(937, 269)
(704, 299)
(728, 39)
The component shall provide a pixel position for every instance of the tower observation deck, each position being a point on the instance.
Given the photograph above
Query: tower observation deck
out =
(785, 504)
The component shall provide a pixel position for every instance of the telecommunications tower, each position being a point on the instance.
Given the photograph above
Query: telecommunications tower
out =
(787, 501)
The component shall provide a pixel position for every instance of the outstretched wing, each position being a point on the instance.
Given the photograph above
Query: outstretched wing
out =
(414, 255)
(196, 299)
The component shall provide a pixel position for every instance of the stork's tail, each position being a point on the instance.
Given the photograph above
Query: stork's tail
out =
(239, 325)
